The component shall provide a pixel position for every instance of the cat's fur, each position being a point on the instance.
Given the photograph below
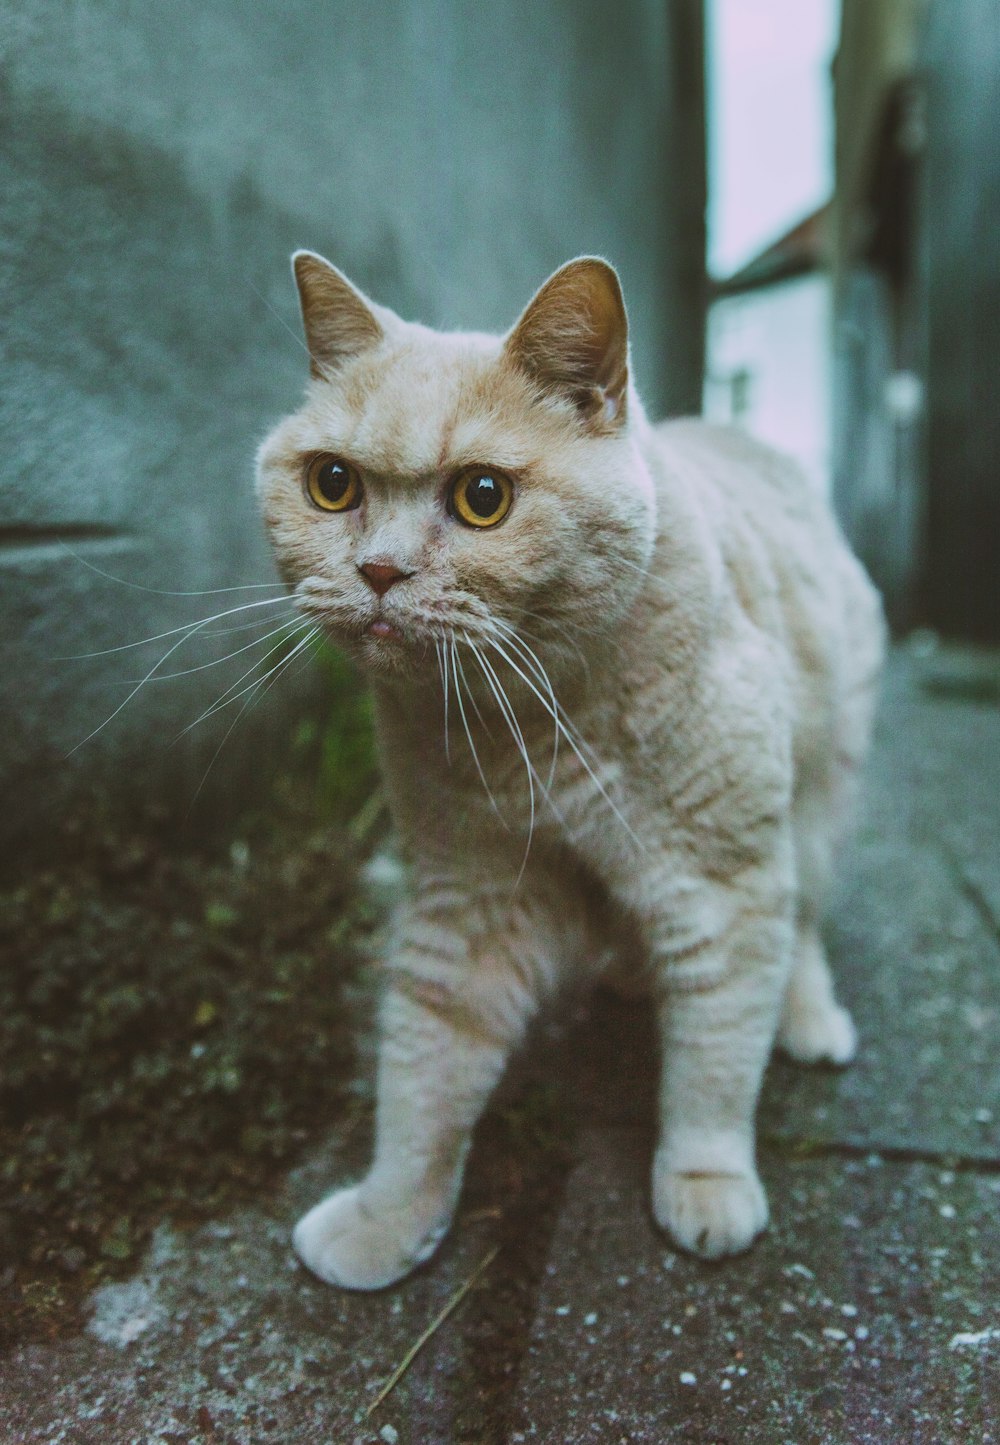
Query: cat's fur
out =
(681, 598)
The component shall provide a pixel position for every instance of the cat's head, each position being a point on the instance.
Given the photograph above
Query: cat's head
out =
(439, 487)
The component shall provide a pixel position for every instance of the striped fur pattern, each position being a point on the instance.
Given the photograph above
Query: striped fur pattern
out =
(620, 733)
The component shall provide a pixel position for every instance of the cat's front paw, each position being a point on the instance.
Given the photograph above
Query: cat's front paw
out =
(343, 1242)
(710, 1215)
(814, 1035)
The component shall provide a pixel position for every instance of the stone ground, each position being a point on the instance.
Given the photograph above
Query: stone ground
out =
(869, 1312)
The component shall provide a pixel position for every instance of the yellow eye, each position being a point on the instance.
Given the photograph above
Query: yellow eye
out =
(480, 496)
(333, 484)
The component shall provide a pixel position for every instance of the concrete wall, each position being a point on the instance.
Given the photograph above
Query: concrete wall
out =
(960, 60)
(878, 483)
(878, 475)
(917, 366)
(877, 51)
(157, 164)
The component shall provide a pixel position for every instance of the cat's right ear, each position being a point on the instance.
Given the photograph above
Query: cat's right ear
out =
(339, 320)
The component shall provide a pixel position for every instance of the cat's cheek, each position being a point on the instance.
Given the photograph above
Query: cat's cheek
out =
(286, 569)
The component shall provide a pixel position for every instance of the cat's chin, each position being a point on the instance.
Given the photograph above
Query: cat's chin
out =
(380, 652)
(384, 651)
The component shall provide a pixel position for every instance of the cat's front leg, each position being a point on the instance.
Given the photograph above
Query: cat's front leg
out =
(719, 1003)
(459, 994)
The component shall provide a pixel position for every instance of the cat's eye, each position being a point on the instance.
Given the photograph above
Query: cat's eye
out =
(333, 484)
(480, 496)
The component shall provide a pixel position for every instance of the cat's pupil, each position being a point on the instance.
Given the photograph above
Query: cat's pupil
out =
(483, 494)
(332, 481)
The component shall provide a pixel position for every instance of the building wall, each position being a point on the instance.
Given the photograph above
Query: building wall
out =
(157, 165)
(918, 291)
(877, 50)
(768, 367)
(960, 60)
(878, 353)
(878, 479)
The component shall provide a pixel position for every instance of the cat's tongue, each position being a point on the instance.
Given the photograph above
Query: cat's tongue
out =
(386, 631)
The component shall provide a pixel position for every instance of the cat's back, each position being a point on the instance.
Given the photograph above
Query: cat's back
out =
(776, 540)
(772, 523)
(742, 481)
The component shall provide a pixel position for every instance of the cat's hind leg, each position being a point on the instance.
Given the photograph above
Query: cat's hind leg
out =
(467, 977)
(814, 1027)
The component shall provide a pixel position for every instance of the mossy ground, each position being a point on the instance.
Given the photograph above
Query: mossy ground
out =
(173, 1025)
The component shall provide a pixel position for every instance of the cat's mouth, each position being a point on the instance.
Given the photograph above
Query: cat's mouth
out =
(383, 631)
(395, 635)
(380, 636)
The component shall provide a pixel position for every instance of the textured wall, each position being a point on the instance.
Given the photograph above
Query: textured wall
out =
(157, 164)
(918, 428)
(877, 50)
(960, 59)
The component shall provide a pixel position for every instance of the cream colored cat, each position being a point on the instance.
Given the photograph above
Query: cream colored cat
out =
(623, 681)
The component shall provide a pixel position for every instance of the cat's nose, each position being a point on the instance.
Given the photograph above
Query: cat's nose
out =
(381, 575)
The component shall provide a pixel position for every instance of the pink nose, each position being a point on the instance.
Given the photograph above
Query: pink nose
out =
(381, 575)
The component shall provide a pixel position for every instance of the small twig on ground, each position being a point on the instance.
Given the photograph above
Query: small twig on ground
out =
(972, 888)
(434, 1325)
(367, 816)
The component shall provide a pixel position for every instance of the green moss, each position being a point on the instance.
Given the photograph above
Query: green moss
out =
(341, 740)
(172, 1037)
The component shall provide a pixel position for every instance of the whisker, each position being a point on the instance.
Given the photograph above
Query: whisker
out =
(245, 626)
(213, 759)
(455, 665)
(546, 681)
(323, 370)
(563, 632)
(643, 571)
(443, 664)
(250, 703)
(510, 717)
(160, 591)
(234, 692)
(201, 666)
(568, 735)
(530, 658)
(472, 696)
(142, 682)
(188, 627)
(270, 678)
(504, 703)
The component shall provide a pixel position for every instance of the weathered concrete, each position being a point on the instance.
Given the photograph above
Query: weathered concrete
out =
(867, 1314)
(843, 1325)
(157, 165)
(915, 445)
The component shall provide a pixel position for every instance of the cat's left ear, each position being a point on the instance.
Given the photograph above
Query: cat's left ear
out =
(573, 339)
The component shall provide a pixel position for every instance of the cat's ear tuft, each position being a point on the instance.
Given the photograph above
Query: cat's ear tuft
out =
(573, 339)
(339, 320)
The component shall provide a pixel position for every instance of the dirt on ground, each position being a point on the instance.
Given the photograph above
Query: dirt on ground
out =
(175, 1027)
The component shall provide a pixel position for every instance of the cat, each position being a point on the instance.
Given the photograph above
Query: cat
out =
(623, 681)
